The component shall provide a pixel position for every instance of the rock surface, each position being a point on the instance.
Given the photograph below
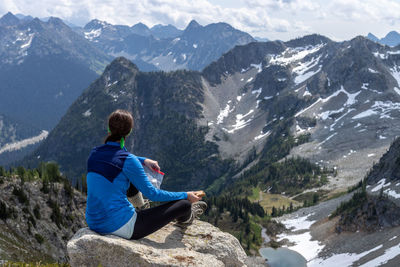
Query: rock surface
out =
(199, 244)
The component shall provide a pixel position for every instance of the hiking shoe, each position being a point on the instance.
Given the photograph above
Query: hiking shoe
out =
(198, 208)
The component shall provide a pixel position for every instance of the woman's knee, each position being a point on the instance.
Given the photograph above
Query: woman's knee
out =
(185, 204)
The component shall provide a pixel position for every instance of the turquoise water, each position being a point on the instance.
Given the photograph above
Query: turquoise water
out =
(283, 257)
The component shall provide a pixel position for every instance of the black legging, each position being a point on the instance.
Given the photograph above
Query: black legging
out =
(150, 220)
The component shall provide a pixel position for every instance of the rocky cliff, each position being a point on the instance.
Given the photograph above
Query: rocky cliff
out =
(199, 244)
(37, 220)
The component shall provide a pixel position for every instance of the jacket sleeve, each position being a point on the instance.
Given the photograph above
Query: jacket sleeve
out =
(134, 171)
(141, 159)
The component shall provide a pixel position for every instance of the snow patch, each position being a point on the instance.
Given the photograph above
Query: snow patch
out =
(372, 70)
(307, 93)
(344, 259)
(250, 79)
(258, 92)
(176, 40)
(392, 193)
(303, 71)
(87, 113)
(240, 123)
(28, 44)
(92, 34)
(195, 46)
(396, 74)
(24, 143)
(303, 244)
(384, 109)
(224, 113)
(389, 254)
(257, 66)
(381, 184)
(379, 55)
(325, 115)
(351, 99)
(262, 135)
(294, 54)
(327, 139)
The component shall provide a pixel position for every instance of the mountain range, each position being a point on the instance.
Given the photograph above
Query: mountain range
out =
(342, 95)
(46, 64)
(165, 47)
(391, 39)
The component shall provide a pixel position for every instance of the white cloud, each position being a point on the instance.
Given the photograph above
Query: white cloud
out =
(274, 19)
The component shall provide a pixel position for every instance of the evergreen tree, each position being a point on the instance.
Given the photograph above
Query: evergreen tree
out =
(315, 198)
(274, 212)
(2, 171)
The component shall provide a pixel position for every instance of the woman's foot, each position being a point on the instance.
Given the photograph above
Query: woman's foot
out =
(198, 208)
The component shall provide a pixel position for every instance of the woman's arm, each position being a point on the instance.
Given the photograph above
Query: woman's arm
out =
(134, 171)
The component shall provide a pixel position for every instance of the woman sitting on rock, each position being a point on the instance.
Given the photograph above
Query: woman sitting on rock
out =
(111, 168)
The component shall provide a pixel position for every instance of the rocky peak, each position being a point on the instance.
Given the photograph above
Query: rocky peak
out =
(192, 25)
(313, 39)
(372, 37)
(9, 20)
(391, 39)
(140, 29)
(121, 63)
(36, 24)
(199, 244)
(56, 21)
(95, 24)
(165, 31)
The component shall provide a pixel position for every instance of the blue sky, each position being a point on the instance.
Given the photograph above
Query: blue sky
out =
(273, 19)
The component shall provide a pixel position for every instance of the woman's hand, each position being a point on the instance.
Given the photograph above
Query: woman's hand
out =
(192, 197)
(151, 164)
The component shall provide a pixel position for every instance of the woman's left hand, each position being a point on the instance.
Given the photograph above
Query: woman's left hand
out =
(151, 164)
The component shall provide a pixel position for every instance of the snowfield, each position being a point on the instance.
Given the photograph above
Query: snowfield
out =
(24, 143)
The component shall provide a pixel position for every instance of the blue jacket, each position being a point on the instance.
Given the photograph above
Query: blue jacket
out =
(110, 169)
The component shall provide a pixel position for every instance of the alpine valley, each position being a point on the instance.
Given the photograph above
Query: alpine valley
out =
(299, 122)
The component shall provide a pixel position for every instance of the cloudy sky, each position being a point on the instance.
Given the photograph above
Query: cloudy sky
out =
(272, 19)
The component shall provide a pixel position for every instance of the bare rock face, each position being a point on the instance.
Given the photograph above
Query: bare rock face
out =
(199, 244)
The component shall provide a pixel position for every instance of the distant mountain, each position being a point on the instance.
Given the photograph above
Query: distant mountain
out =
(165, 31)
(165, 47)
(372, 37)
(9, 20)
(140, 29)
(44, 67)
(261, 39)
(391, 39)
